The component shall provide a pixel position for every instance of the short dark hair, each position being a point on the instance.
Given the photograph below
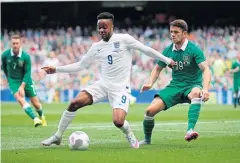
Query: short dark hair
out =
(105, 15)
(15, 37)
(180, 23)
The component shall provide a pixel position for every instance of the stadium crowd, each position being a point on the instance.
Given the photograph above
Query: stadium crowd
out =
(64, 46)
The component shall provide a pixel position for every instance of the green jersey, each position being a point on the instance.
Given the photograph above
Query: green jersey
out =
(17, 68)
(236, 75)
(186, 71)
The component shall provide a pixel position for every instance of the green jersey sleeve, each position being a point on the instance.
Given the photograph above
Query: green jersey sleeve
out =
(27, 70)
(161, 63)
(198, 55)
(4, 63)
(234, 65)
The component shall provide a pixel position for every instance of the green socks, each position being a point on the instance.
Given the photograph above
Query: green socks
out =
(29, 111)
(148, 125)
(193, 112)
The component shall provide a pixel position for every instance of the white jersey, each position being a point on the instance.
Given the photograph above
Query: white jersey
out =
(116, 59)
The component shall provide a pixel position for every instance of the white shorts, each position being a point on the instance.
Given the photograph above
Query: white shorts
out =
(117, 99)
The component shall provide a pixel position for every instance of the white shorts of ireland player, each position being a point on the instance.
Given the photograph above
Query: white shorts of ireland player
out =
(117, 98)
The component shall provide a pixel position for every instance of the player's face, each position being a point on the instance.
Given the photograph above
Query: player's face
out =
(16, 44)
(105, 28)
(177, 34)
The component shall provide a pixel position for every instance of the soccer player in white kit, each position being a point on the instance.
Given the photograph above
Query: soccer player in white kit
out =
(113, 52)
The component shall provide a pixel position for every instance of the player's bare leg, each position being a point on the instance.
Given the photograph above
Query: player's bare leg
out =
(28, 110)
(81, 100)
(37, 105)
(193, 113)
(120, 122)
(156, 106)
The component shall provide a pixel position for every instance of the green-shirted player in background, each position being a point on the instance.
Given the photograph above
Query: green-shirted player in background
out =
(16, 65)
(235, 69)
(190, 81)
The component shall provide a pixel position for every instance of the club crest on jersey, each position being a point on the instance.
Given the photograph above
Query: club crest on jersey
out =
(186, 59)
(20, 63)
(116, 45)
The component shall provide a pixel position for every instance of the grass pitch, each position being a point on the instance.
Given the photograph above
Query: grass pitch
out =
(218, 126)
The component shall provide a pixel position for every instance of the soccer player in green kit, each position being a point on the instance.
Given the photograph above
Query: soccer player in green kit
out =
(190, 81)
(16, 65)
(235, 69)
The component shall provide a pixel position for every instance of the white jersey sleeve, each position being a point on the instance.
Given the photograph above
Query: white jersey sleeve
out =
(132, 43)
(78, 66)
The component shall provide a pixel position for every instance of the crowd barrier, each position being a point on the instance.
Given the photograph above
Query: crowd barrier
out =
(220, 96)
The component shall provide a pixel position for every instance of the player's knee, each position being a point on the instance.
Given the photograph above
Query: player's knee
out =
(74, 105)
(80, 101)
(19, 99)
(195, 93)
(150, 112)
(118, 123)
(17, 96)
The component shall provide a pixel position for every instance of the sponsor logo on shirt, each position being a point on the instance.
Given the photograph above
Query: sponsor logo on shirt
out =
(99, 50)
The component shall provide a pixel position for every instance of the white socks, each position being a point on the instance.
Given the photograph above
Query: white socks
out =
(126, 128)
(148, 118)
(66, 118)
(26, 105)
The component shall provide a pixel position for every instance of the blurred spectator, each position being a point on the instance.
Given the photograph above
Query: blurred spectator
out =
(219, 66)
(64, 46)
(52, 79)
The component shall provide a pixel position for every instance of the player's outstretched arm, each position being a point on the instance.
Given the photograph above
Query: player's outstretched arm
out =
(206, 79)
(71, 68)
(132, 43)
(75, 67)
(153, 77)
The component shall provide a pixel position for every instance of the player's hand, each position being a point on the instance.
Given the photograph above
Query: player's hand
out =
(145, 87)
(171, 65)
(21, 91)
(204, 95)
(49, 69)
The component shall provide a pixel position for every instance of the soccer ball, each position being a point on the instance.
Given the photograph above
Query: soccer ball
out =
(78, 140)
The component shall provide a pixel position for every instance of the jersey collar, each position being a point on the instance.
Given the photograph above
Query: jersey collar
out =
(109, 39)
(19, 54)
(183, 46)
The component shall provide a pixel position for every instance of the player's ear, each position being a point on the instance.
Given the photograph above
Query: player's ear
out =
(185, 33)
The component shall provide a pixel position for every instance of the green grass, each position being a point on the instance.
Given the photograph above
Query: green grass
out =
(218, 126)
